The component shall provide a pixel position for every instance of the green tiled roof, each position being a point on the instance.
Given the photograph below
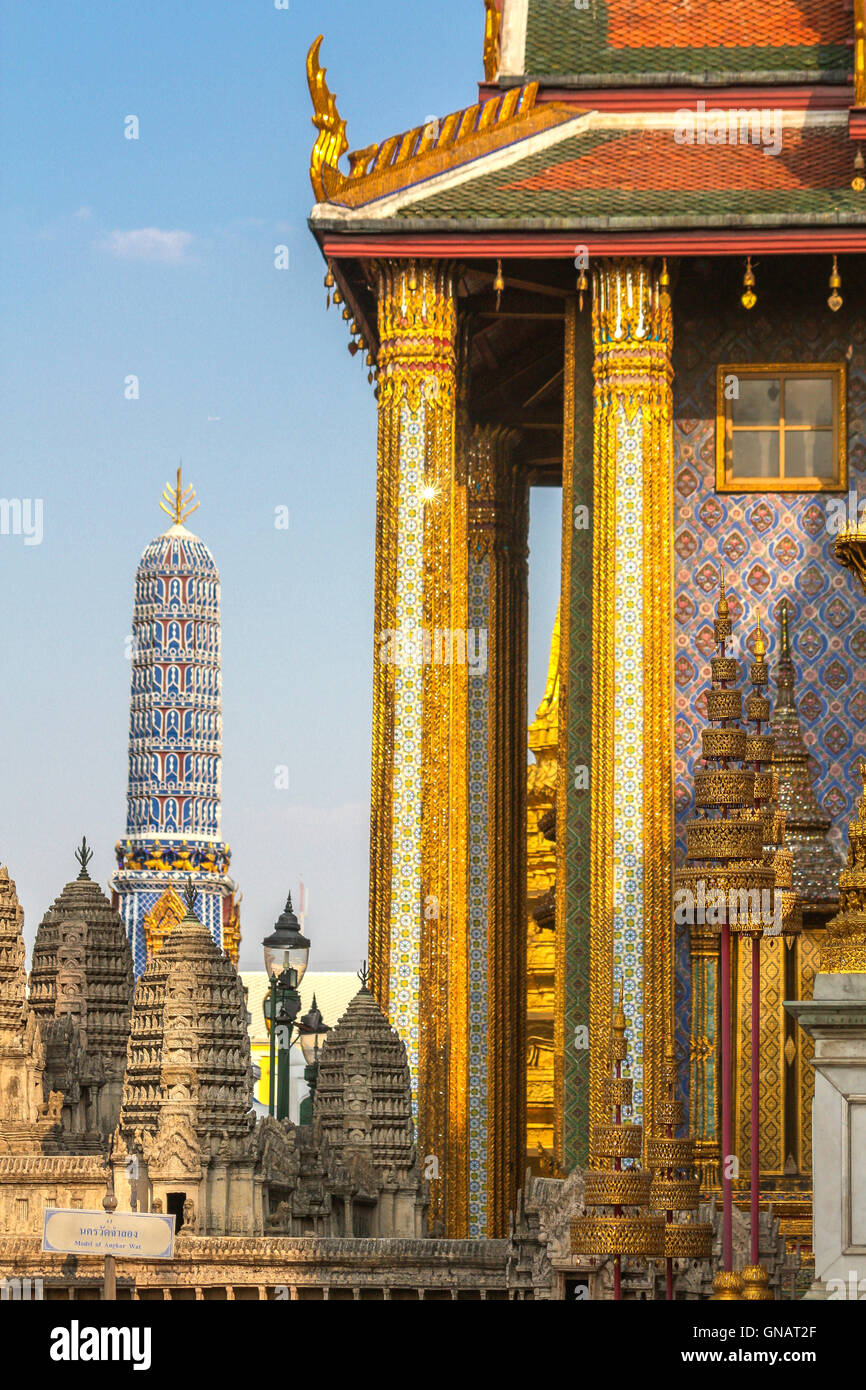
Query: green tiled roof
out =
(613, 38)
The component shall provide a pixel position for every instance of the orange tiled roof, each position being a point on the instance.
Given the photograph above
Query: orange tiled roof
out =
(668, 40)
(650, 159)
(727, 23)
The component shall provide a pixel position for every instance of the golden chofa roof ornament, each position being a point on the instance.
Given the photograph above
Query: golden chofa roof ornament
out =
(844, 950)
(725, 866)
(675, 1189)
(331, 142)
(623, 1225)
(177, 502)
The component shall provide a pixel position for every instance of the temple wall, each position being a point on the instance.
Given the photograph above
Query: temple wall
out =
(770, 544)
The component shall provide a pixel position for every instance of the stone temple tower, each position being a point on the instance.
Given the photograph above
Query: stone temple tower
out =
(173, 796)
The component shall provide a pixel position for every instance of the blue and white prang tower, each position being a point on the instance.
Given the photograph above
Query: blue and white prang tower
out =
(173, 795)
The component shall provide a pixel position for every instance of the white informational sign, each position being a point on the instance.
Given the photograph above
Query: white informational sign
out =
(124, 1234)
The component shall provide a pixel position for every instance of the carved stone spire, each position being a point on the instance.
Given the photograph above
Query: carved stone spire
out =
(13, 971)
(816, 861)
(29, 1118)
(189, 1053)
(363, 1093)
(81, 992)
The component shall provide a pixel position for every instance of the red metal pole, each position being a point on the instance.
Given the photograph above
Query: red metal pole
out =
(756, 1094)
(727, 1189)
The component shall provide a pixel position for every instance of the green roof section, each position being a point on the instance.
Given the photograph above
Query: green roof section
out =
(621, 39)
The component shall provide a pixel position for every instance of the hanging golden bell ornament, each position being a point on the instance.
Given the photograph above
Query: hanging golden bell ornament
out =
(347, 313)
(353, 347)
(835, 301)
(353, 329)
(665, 285)
(499, 284)
(362, 342)
(858, 183)
(329, 283)
(748, 298)
(582, 287)
(338, 298)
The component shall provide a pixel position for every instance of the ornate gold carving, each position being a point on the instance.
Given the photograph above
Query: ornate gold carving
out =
(618, 1235)
(688, 1240)
(724, 839)
(331, 140)
(163, 916)
(618, 1141)
(724, 787)
(422, 152)
(723, 743)
(632, 335)
(674, 1194)
(845, 938)
(492, 28)
(628, 1187)
(860, 52)
(724, 704)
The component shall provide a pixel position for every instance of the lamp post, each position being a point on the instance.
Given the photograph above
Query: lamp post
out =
(287, 952)
(311, 1030)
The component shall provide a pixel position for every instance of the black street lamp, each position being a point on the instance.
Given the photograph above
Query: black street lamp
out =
(287, 951)
(312, 1029)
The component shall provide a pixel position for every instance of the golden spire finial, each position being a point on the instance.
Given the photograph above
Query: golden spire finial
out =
(722, 609)
(760, 644)
(178, 501)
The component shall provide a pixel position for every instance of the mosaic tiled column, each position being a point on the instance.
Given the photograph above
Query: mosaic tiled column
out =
(573, 796)
(632, 843)
(496, 714)
(418, 831)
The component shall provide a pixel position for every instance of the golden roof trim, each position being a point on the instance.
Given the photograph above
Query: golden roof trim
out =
(422, 152)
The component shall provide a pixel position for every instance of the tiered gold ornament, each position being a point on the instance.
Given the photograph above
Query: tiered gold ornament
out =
(845, 940)
(614, 1231)
(725, 881)
(761, 751)
(725, 841)
(675, 1189)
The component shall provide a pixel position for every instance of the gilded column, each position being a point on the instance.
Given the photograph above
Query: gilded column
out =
(496, 859)
(632, 775)
(418, 824)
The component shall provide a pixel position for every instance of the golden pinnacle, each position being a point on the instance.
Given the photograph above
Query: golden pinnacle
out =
(582, 287)
(722, 610)
(760, 644)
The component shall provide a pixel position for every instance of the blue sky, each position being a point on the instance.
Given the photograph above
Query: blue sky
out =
(155, 258)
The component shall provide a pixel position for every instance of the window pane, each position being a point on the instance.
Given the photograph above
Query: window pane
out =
(758, 402)
(809, 455)
(754, 454)
(808, 400)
